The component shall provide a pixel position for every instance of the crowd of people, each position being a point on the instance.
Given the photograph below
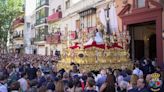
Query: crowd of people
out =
(34, 73)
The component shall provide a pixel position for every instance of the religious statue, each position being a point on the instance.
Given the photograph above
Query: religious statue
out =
(98, 38)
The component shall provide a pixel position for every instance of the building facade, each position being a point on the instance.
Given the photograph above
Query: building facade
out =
(17, 41)
(143, 20)
(58, 24)
(55, 15)
(41, 26)
(65, 21)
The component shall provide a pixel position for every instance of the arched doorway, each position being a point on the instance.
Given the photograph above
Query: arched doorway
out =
(152, 12)
(143, 40)
(152, 46)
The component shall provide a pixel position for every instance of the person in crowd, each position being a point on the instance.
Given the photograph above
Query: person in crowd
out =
(15, 87)
(42, 89)
(101, 78)
(65, 78)
(90, 74)
(31, 71)
(76, 86)
(90, 85)
(123, 71)
(50, 84)
(144, 66)
(109, 85)
(133, 83)
(23, 82)
(148, 78)
(141, 85)
(75, 70)
(84, 76)
(137, 71)
(122, 86)
(13, 76)
(3, 87)
(70, 86)
(118, 77)
(41, 80)
(59, 86)
(33, 86)
(128, 77)
(109, 70)
(36, 73)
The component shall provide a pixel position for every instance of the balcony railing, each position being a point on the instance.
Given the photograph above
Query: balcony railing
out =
(41, 21)
(42, 3)
(54, 17)
(18, 22)
(39, 38)
(18, 36)
(53, 38)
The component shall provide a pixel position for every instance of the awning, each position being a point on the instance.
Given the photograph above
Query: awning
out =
(54, 17)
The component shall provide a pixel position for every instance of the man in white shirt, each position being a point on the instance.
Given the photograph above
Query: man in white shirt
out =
(3, 87)
(23, 82)
(137, 71)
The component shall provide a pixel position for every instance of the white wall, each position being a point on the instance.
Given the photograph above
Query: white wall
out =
(70, 23)
(70, 15)
(80, 5)
(54, 4)
(41, 50)
(30, 6)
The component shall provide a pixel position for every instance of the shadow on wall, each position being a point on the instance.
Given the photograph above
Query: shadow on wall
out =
(162, 3)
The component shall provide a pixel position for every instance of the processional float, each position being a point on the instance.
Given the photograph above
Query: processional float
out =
(96, 49)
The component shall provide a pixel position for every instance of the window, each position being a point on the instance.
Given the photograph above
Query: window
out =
(28, 25)
(53, 10)
(67, 3)
(41, 2)
(59, 8)
(42, 13)
(77, 24)
(37, 15)
(140, 3)
(37, 3)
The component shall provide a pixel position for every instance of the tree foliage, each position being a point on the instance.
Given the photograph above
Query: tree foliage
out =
(9, 10)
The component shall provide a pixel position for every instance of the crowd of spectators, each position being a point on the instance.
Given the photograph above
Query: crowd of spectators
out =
(34, 73)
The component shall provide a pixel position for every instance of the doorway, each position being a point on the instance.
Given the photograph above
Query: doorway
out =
(152, 47)
(143, 40)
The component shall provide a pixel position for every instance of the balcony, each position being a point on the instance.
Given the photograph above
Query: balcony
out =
(18, 22)
(39, 38)
(54, 17)
(41, 21)
(18, 36)
(42, 3)
(53, 38)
